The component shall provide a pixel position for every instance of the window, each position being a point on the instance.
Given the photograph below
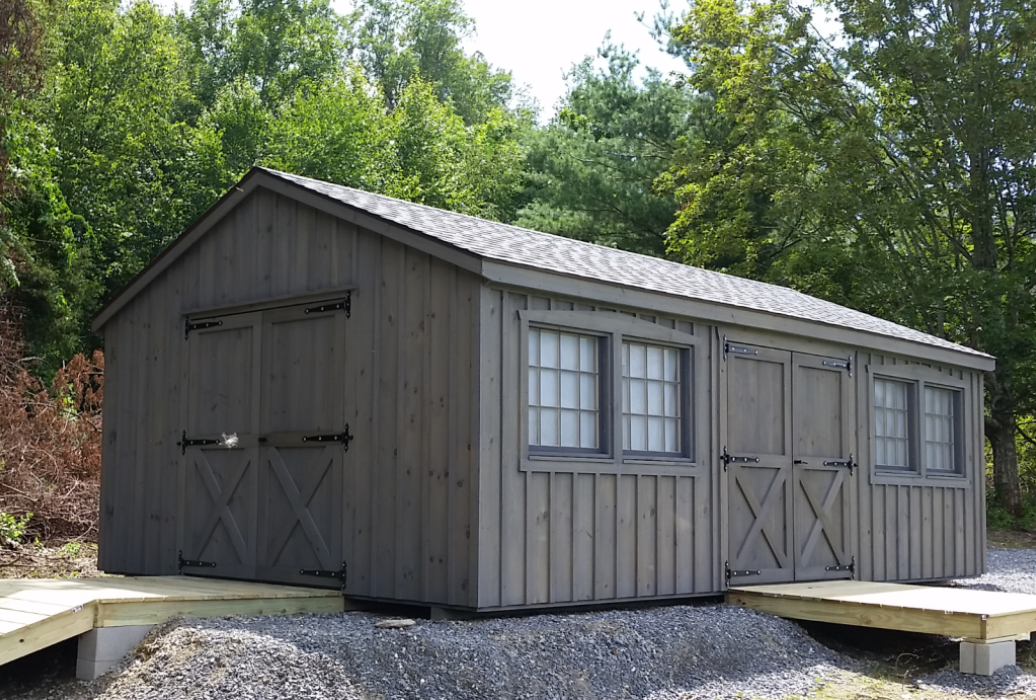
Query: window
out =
(891, 424)
(564, 390)
(605, 391)
(917, 425)
(940, 429)
(651, 398)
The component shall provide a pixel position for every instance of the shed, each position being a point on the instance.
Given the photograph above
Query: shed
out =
(313, 380)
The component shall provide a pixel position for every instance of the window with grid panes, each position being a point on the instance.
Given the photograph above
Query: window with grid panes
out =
(940, 428)
(892, 424)
(651, 398)
(564, 390)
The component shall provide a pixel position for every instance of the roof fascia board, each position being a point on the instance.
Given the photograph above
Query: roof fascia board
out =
(178, 247)
(576, 287)
(392, 231)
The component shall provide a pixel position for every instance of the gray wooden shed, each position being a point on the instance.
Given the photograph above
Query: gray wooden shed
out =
(473, 415)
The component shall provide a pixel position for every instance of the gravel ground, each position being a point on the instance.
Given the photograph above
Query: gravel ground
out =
(665, 653)
(661, 654)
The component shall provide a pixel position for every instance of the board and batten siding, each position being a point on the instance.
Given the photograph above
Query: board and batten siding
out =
(562, 535)
(924, 530)
(411, 379)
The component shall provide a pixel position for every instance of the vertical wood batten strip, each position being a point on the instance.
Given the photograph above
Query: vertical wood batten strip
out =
(363, 356)
(455, 523)
(491, 499)
(264, 242)
(515, 540)
(411, 565)
(665, 535)
(157, 363)
(472, 443)
(438, 430)
(390, 287)
(686, 571)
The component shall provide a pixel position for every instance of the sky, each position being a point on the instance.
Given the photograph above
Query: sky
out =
(540, 40)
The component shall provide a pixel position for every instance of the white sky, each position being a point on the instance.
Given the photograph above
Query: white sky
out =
(540, 40)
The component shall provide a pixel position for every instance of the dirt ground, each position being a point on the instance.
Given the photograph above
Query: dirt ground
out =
(70, 559)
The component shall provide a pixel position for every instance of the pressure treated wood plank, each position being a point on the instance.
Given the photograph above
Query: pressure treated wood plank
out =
(117, 614)
(27, 639)
(860, 615)
(954, 611)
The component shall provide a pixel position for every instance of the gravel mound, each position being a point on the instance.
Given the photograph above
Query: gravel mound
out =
(662, 654)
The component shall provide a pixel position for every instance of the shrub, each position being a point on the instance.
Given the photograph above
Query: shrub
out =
(50, 439)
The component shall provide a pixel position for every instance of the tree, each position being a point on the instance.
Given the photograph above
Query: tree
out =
(592, 170)
(398, 41)
(274, 46)
(907, 139)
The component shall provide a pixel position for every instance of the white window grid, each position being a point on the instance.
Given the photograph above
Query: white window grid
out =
(651, 398)
(892, 423)
(564, 390)
(940, 429)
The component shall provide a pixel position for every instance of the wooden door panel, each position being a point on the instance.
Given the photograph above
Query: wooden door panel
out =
(301, 528)
(218, 504)
(221, 380)
(757, 423)
(823, 425)
(301, 480)
(220, 495)
(299, 379)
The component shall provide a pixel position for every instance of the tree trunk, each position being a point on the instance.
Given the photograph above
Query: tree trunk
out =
(1001, 433)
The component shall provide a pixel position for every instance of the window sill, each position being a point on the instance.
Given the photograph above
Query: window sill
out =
(950, 481)
(609, 465)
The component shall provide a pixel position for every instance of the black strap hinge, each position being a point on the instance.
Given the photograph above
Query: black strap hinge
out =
(732, 573)
(849, 463)
(184, 443)
(727, 458)
(343, 437)
(850, 567)
(181, 562)
(846, 364)
(345, 304)
(728, 347)
(188, 326)
(326, 573)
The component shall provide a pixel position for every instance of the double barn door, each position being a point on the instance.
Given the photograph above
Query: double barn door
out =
(264, 444)
(788, 431)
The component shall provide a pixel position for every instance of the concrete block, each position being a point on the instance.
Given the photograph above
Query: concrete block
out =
(986, 659)
(103, 647)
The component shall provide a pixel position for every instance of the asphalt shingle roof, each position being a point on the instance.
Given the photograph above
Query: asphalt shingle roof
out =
(504, 243)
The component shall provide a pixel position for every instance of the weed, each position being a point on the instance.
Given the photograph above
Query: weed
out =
(12, 528)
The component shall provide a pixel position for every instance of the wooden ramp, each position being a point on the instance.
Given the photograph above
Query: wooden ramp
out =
(36, 613)
(977, 616)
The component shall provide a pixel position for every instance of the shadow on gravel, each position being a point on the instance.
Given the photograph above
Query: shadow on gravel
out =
(902, 656)
(925, 661)
(41, 674)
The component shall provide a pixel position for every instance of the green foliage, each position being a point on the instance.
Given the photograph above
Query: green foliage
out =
(398, 41)
(895, 162)
(591, 171)
(12, 528)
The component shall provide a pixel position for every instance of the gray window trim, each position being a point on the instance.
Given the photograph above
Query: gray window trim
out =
(614, 327)
(918, 377)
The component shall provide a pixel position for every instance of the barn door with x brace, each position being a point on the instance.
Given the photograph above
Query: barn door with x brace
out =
(787, 453)
(757, 457)
(264, 445)
(220, 446)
